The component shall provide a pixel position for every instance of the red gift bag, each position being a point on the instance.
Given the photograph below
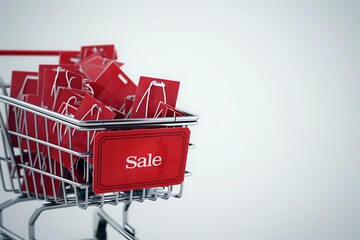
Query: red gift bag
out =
(42, 71)
(59, 78)
(76, 140)
(72, 96)
(126, 108)
(35, 182)
(116, 86)
(69, 57)
(89, 109)
(106, 51)
(57, 132)
(95, 64)
(152, 91)
(22, 83)
(32, 125)
(68, 107)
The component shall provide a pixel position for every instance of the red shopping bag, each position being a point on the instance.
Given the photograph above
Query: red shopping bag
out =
(36, 182)
(89, 109)
(137, 159)
(93, 89)
(106, 51)
(57, 132)
(118, 114)
(127, 106)
(31, 125)
(43, 67)
(116, 86)
(69, 57)
(95, 64)
(77, 140)
(22, 83)
(59, 78)
(72, 96)
(152, 91)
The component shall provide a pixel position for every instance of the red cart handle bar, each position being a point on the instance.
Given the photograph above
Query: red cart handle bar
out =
(34, 52)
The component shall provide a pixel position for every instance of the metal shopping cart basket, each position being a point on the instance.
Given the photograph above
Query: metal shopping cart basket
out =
(28, 170)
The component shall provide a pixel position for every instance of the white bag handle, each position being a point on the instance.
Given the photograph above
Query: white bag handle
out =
(53, 89)
(157, 113)
(65, 111)
(20, 96)
(41, 167)
(91, 111)
(88, 89)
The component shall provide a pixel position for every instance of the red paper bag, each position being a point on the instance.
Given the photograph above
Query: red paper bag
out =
(106, 51)
(69, 58)
(67, 107)
(72, 96)
(152, 91)
(118, 114)
(58, 131)
(126, 108)
(42, 68)
(93, 89)
(116, 86)
(32, 125)
(59, 78)
(21, 83)
(89, 109)
(42, 184)
(95, 64)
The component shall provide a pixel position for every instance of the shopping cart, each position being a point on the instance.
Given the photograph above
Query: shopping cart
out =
(28, 170)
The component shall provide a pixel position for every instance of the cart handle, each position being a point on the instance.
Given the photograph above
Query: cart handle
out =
(35, 52)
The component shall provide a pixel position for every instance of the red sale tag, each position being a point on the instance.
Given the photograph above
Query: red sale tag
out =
(136, 159)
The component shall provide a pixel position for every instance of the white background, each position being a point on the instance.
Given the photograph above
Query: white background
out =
(276, 86)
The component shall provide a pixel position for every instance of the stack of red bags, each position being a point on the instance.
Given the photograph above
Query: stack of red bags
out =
(85, 85)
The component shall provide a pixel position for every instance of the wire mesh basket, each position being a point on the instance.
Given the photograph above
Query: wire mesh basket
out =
(94, 177)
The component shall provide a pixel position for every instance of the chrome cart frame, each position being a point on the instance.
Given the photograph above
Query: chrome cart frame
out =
(21, 169)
